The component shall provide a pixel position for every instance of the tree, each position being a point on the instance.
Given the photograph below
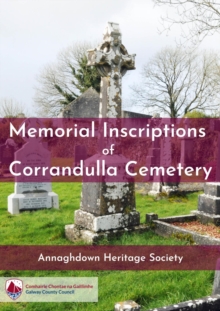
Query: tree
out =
(60, 83)
(177, 81)
(11, 109)
(87, 76)
(202, 16)
(196, 114)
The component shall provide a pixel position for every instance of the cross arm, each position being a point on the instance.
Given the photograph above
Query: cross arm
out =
(95, 57)
(128, 61)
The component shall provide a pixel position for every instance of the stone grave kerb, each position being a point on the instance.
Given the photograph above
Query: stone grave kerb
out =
(105, 206)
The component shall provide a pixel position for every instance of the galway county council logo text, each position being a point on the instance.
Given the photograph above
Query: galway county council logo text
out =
(14, 288)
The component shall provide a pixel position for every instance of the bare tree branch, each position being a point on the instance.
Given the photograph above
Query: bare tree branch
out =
(201, 16)
(177, 81)
(12, 109)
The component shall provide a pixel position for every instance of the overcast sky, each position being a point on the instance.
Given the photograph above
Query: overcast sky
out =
(33, 32)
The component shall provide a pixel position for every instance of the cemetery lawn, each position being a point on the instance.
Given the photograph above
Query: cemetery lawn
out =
(46, 227)
(151, 289)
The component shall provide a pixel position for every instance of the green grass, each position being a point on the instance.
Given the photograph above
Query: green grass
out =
(166, 206)
(46, 227)
(149, 288)
(42, 226)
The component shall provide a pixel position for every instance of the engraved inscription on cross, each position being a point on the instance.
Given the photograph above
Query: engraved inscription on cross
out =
(112, 61)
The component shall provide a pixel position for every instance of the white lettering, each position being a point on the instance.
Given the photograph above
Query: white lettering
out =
(17, 132)
(11, 168)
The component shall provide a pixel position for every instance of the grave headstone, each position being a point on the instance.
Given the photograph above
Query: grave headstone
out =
(209, 201)
(209, 204)
(187, 146)
(168, 186)
(31, 193)
(10, 142)
(162, 156)
(155, 189)
(6, 154)
(107, 206)
(45, 144)
(216, 284)
(87, 106)
(215, 126)
(153, 159)
(80, 153)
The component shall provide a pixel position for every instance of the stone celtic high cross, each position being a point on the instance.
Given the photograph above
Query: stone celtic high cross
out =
(112, 62)
(107, 208)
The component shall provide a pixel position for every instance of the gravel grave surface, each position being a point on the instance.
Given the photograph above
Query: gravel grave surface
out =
(209, 229)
